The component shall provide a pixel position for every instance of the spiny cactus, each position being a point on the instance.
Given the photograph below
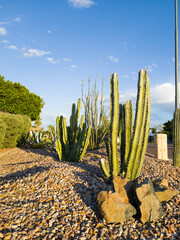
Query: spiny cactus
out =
(126, 121)
(176, 158)
(113, 169)
(141, 128)
(37, 137)
(133, 142)
(73, 140)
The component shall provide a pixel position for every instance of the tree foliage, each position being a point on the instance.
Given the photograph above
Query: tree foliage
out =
(168, 129)
(15, 98)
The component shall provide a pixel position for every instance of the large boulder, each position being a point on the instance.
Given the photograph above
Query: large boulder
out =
(114, 207)
(150, 206)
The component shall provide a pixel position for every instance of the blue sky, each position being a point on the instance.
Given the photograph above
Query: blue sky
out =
(51, 46)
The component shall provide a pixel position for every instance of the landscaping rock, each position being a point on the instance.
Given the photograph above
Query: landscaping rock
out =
(165, 195)
(123, 186)
(114, 207)
(162, 191)
(163, 182)
(150, 206)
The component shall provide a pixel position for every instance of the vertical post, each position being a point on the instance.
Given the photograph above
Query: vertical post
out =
(176, 59)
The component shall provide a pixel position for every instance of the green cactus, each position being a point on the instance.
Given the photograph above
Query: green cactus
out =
(176, 157)
(133, 141)
(126, 119)
(113, 169)
(141, 127)
(73, 140)
(36, 138)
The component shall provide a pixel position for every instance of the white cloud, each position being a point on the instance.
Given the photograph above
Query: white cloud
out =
(67, 60)
(81, 3)
(35, 53)
(4, 23)
(12, 47)
(113, 59)
(73, 67)
(5, 41)
(163, 94)
(2, 31)
(17, 19)
(48, 31)
(52, 60)
(151, 67)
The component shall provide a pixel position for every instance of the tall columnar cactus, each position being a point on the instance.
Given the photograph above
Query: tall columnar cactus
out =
(126, 119)
(133, 141)
(73, 140)
(141, 127)
(113, 169)
(176, 159)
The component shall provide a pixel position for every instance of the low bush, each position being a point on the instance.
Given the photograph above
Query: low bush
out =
(16, 129)
(2, 132)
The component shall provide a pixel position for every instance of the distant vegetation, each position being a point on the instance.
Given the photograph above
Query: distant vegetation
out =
(14, 129)
(15, 98)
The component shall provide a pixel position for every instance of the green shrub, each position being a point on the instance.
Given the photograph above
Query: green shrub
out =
(17, 128)
(2, 132)
(16, 99)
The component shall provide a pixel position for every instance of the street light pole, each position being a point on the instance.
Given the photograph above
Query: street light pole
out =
(176, 60)
(176, 138)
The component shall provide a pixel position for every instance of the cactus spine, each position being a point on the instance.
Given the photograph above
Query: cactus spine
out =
(176, 158)
(133, 141)
(73, 140)
(113, 169)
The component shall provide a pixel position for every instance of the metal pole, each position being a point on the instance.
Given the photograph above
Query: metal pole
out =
(176, 60)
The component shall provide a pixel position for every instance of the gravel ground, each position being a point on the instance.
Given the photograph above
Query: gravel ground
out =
(41, 198)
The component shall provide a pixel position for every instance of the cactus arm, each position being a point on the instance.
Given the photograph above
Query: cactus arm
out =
(114, 111)
(146, 133)
(59, 149)
(127, 130)
(139, 131)
(120, 123)
(86, 143)
(176, 139)
(104, 168)
(65, 138)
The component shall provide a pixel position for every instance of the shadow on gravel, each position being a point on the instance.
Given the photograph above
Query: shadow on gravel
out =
(44, 152)
(23, 174)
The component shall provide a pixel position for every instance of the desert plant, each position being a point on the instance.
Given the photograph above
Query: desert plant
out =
(98, 121)
(133, 139)
(176, 158)
(36, 137)
(73, 140)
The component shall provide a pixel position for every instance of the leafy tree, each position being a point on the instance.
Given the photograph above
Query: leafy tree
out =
(15, 98)
(168, 129)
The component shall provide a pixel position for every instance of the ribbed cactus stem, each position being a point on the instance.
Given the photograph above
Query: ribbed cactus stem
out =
(127, 131)
(114, 122)
(176, 157)
(141, 127)
(72, 141)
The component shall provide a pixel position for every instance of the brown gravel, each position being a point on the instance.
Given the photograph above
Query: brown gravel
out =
(41, 198)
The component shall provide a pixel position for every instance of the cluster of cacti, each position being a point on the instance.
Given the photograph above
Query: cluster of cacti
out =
(176, 158)
(72, 141)
(133, 140)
